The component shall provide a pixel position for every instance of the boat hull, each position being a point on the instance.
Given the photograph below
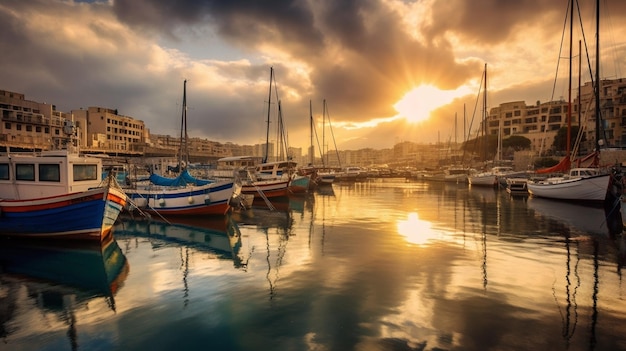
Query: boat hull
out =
(269, 188)
(483, 180)
(83, 215)
(581, 189)
(299, 185)
(210, 199)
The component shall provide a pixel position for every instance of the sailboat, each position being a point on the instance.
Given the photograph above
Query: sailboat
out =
(490, 177)
(184, 194)
(588, 184)
(269, 179)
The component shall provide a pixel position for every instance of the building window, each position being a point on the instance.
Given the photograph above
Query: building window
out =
(49, 173)
(7, 125)
(25, 171)
(4, 171)
(85, 172)
(47, 130)
(18, 126)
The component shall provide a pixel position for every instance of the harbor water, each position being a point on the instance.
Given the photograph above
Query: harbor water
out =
(384, 264)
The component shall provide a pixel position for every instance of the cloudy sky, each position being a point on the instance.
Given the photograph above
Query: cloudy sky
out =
(389, 70)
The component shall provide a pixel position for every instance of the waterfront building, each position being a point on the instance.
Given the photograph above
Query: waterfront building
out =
(541, 122)
(105, 130)
(28, 124)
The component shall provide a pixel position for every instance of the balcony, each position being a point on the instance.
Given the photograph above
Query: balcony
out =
(11, 116)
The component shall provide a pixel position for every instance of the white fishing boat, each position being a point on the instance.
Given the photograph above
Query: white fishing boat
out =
(57, 193)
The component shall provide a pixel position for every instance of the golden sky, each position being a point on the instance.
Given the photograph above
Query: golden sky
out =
(389, 70)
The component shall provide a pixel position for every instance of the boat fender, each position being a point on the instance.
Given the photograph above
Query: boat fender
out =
(190, 200)
(161, 202)
(207, 199)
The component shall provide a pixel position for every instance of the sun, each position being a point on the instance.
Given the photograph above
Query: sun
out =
(418, 104)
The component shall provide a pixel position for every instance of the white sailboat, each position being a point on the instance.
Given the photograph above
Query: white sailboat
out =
(183, 195)
(589, 184)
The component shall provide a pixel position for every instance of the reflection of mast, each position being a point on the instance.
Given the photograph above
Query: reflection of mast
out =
(569, 327)
(484, 242)
(594, 296)
(279, 260)
(184, 259)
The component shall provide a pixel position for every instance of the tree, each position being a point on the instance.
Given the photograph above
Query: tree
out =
(516, 142)
(484, 146)
(560, 139)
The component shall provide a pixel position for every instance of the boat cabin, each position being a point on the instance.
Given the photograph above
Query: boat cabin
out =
(275, 170)
(48, 173)
(583, 172)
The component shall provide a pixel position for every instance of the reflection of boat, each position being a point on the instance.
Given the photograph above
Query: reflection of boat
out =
(59, 277)
(589, 219)
(57, 193)
(95, 267)
(264, 218)
(219, 235)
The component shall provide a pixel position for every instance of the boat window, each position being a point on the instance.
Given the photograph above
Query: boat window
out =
(49, 173)
(25, 171)
(4, 171)
(85, 172)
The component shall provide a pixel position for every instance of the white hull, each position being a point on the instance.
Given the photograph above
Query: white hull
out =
(578, 189)
(189, 200)
(483, 180)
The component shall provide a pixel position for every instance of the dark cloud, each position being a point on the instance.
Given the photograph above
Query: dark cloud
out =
(359, 55)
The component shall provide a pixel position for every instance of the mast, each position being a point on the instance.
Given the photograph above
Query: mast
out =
(183, 154)
(569, 90)
(597, 90)
(485, 117)
(269, 108)
(311, 148)
(324, 151)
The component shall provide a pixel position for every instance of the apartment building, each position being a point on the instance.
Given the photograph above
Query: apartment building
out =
(104, 129)
(540, 122)
(28, 124)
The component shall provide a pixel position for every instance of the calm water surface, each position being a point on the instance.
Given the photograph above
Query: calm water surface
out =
(379, 265)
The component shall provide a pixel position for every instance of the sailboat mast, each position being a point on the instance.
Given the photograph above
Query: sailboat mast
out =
(324, 151)
(183, 156)
(485, 137)
(597, 90)
(311, 148)
(269, 108)
(569, 92)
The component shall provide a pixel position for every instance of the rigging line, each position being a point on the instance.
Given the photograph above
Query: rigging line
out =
(332, 135)
(319, 147)
(469, 131)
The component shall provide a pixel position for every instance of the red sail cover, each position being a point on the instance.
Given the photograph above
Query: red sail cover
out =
(562, 167)
(592, 160)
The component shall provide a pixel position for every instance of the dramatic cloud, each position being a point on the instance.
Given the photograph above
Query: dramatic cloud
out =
(362, 56)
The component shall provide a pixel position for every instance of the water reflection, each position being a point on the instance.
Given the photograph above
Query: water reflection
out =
(416, 231)
(59, 278)
(587, 219)
(347, 272)
(219, 235)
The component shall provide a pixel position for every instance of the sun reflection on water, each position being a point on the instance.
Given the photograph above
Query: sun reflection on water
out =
(415, 230)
